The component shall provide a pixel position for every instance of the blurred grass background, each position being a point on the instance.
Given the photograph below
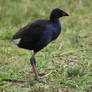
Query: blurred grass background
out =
(69, 58)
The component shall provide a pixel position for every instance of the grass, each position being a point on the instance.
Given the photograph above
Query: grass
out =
(69, 58)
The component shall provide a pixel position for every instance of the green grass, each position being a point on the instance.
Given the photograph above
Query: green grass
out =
(69, 58)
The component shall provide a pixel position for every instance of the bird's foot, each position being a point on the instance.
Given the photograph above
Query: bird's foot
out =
(39, 79)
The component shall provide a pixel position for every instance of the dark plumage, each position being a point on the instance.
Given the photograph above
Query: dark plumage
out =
(38, 33)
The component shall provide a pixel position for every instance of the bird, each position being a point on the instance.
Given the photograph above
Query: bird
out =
(38, 33)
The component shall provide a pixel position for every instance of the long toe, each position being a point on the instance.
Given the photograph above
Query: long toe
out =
(37, 78)
(40, 80)
(47, 75)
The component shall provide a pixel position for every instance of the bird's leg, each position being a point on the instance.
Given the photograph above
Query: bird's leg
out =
(33, 63)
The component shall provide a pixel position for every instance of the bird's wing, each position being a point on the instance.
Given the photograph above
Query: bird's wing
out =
(32, 31)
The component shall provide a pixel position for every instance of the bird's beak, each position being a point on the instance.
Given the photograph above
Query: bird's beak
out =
(65, 14)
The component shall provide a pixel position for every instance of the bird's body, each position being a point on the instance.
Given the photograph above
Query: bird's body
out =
(38, 34)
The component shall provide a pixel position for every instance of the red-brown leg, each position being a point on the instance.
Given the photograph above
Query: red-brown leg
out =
(32, 61)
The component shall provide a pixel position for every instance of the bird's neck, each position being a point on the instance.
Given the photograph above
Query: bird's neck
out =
(53, 20)
(56, 23)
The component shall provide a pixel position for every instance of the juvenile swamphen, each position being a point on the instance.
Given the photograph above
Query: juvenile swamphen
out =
(38, 34)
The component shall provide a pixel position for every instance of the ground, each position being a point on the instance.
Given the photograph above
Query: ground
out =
(68, 59)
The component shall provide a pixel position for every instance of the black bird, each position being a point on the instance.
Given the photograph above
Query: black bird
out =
(38, 34)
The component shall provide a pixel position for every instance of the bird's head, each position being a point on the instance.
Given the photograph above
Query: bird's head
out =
(57, 13)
